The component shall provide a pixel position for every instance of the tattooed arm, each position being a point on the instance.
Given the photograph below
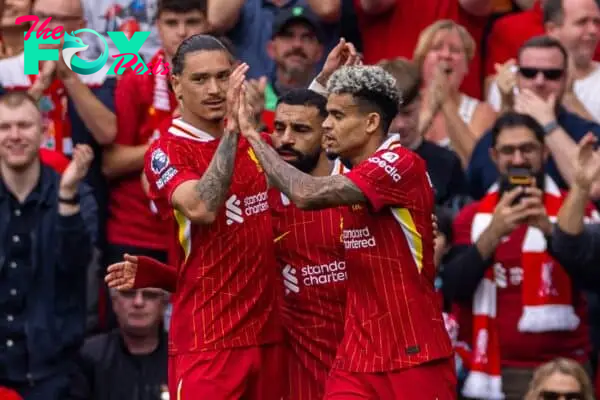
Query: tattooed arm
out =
(200, 200)
(306, 191)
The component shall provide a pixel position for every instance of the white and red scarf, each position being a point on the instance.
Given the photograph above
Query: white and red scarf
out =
(546, 293)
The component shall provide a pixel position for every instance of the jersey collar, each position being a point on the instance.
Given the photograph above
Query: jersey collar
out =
(182, 129)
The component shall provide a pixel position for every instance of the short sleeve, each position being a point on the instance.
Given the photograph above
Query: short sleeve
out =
(167, 165)
(394, 178)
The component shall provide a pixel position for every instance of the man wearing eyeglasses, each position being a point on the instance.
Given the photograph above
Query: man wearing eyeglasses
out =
(131, 361)
(519, 307)
(540, 84)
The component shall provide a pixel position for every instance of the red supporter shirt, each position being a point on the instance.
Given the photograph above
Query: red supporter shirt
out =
(395, 33)
(510, 32)
(393, 316)
(142, 104)
(226, 271)
(310, 254)
(520, 350)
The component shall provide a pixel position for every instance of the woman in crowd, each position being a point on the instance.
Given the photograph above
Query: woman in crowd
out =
(560, 379)
(449, 118)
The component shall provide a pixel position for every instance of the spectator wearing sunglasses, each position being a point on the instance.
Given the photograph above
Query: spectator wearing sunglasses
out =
(131, 361)
(539, 86)
(560, 379)
(576, 24)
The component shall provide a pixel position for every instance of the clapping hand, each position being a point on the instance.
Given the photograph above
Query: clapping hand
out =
(246, 118)
(255, 91)
(76, 170)
(587, 164)
(236, 81)
(506, 78)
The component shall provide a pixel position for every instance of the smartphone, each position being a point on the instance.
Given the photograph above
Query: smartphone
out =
(514, 178)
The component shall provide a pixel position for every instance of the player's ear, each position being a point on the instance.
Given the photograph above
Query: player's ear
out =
(175, 84)
(373, 123)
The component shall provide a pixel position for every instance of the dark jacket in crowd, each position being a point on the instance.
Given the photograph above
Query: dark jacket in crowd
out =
(107, 371)
(55, 310)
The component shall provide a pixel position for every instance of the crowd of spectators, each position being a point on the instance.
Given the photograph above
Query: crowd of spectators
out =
(488, 86)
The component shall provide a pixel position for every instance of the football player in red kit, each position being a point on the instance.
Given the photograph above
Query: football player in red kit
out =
(224, 334)
(395, 345)
(144, 103)
(309, 252)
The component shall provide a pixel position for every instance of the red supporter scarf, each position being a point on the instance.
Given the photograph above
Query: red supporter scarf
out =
(546, 292)
(163, 102)
(53, 105)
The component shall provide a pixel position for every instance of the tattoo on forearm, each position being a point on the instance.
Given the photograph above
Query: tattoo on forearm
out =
(214, 184)
(306, 191)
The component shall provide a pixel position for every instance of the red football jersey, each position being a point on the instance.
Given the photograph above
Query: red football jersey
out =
(310, 254)
(226, 271)
(393, 318)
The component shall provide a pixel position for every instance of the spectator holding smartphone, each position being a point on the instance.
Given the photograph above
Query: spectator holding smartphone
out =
(519, 307)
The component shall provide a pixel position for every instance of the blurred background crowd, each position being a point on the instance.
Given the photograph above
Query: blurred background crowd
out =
(463, 62)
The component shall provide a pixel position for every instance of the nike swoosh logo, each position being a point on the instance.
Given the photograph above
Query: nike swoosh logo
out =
(278, 238)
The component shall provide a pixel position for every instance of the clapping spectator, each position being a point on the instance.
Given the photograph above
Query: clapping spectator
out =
(450, 118)
(391, 28)
(511, 31)
(540, 82)
(443, 165)
(576, 24)
(48, 224)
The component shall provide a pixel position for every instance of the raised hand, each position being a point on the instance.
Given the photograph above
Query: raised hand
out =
(246, 119)
(77, 169)
(255, 91)
(439, 89)
(506, 78)
(543, 111)
(587, 164)
(536, 211)
(342, 54)
(507, 216)
(236, 80)
(121, 275)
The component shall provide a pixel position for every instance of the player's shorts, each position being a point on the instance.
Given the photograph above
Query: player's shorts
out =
(252, 373)
(301, 382)
(432, 381)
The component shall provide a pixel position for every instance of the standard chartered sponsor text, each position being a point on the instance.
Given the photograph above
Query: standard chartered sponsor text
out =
(358, 238)
(256, 204)
(324, 273)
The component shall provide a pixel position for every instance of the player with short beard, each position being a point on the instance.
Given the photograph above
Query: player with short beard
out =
(309, 254)
(395, 345)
